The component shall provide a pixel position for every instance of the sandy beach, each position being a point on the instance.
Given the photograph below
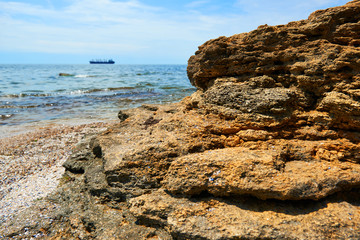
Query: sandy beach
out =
(31, 161)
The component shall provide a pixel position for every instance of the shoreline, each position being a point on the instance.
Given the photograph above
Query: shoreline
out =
(12, 130)
(31, 159)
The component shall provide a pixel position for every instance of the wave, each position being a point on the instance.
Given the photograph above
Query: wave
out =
(15, 83)
(21, 95)
(169, 87)
(88, 92)
(143, 84)
(76, 75)
(121, 88)
(147, 73)
(62, 92)
(84, 76)
(94, 90)
(26, 106)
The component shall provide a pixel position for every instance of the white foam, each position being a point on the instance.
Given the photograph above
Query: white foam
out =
(82, 76)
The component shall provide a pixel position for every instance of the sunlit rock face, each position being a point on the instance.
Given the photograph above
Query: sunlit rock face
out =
(267, 148)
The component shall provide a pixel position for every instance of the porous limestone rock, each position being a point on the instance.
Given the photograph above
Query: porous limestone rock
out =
(270, 74)
(267, 148)
(267, 173)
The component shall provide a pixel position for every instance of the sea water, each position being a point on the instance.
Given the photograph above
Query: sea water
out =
(33, 93)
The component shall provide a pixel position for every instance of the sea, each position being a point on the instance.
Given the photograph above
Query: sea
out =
(88, 92)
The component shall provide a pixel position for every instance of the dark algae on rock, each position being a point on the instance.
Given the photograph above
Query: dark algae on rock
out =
(267, 148)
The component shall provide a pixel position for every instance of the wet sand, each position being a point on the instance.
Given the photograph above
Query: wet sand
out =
(31, 161)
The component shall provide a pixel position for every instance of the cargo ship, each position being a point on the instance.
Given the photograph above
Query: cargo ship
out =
(101, 61)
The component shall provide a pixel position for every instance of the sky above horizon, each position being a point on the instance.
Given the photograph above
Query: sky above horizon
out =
(133, 31)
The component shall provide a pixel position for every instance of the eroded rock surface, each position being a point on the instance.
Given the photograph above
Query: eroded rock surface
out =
(267, 148)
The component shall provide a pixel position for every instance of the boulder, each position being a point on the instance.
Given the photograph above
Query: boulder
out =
(66, 75)
(268, 147)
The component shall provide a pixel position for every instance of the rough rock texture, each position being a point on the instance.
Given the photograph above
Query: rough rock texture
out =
(267, 148)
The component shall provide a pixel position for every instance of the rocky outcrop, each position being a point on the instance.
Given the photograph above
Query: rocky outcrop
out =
(66, 75)
(267, 148)
(310, 65)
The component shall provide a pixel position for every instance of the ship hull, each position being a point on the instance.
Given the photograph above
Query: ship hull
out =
(102, 62)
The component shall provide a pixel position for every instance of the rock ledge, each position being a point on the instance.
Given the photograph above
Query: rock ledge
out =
(267, 148)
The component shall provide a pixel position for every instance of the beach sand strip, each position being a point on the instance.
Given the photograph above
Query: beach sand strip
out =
(31, 163)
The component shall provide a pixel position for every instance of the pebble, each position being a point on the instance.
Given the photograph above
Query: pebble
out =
(35, 166)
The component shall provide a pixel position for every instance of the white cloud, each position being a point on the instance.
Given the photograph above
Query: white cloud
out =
(84, 26)
(322, 2)
(24, 8)
(196, 4)
(101, 25)
(287, 8)
(129, 27)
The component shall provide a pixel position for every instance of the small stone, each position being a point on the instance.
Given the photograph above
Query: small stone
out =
(122, 116)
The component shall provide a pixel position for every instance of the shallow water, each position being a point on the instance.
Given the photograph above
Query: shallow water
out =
(33, 93)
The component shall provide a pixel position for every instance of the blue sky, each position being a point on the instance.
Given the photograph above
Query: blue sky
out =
(133, 31)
